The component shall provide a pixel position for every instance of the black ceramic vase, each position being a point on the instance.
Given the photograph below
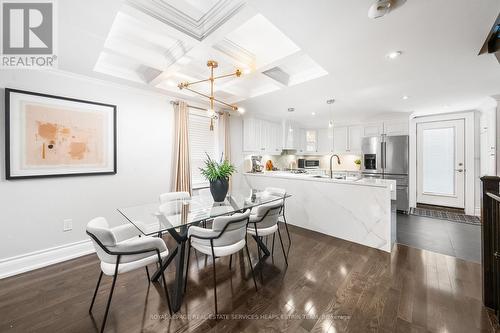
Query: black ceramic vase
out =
(219, 189)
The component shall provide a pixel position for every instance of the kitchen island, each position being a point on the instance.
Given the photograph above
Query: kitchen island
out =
(357, 210)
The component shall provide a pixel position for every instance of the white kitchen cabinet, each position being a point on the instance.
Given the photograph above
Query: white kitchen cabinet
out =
(373, 129)
(308, 141)
(325, 140)
(251, 134)
(311, 144)
(396, 127)
(340, 138)
(261, 136)
(347, 139)
(354, 139)
(275, 138)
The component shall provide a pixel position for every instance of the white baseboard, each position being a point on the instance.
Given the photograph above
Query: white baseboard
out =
(38, 259)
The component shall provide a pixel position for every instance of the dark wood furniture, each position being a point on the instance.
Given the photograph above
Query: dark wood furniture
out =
(490, 217)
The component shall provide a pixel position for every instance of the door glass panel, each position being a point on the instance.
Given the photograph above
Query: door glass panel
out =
(438, 147)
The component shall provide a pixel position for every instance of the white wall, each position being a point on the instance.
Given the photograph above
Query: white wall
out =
(32, 211)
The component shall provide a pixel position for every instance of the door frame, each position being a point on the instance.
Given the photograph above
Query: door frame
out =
(469, 126)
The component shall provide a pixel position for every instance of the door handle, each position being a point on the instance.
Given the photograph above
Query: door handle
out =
(460, 170)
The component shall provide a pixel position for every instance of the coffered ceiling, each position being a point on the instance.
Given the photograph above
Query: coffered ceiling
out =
(299, 53)
(163, 43)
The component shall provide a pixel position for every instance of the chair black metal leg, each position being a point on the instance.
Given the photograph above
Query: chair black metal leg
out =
(147, 273)
(95, 292)
(272, 248)
(230, 261)
(282, 247)
(287, 231)
(165, 285)
(215, 287)
(187, 266)
(215, 276)
(260, 257)
(110, 295)
(251, 266)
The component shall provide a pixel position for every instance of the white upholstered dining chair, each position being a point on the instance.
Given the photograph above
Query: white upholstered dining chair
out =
(171, 196)
(280, 192)
(264, 222)
(226, 237)
(121, 250)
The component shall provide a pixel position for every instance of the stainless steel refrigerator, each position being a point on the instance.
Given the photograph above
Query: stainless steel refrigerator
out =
(386, 157)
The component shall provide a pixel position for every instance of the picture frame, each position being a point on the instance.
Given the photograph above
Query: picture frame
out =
(55, 136)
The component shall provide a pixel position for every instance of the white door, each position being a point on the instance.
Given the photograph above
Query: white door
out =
(440, 163)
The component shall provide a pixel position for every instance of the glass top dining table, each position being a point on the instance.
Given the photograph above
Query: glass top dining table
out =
(153, 218)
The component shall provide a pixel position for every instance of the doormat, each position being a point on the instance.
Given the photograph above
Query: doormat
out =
(446, 215)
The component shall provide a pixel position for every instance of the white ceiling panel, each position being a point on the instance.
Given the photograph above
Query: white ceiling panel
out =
(263, 39)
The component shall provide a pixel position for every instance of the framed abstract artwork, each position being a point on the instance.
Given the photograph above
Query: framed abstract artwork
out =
(53, 136)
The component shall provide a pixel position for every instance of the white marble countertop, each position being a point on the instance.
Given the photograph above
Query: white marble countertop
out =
(388, 183)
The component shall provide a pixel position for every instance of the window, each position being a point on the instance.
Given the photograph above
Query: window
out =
(202, 141)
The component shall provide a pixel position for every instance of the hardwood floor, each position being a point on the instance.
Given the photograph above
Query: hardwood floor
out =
(330, 285)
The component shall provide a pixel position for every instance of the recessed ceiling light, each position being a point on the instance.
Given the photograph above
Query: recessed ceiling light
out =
(291, 109)
(394, 55)
(313, 113)
(405, 97)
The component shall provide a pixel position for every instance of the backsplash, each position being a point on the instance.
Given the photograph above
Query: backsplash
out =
(287, 161)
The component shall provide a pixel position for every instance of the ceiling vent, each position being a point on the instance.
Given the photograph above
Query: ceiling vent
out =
(278, 74)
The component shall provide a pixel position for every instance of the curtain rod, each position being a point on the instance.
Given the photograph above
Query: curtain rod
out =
(198, 108)
(189, 106)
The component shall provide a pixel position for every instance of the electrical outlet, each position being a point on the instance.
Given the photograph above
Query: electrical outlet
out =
(67, 224)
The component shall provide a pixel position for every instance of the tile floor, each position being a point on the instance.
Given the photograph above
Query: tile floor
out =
(455, 239)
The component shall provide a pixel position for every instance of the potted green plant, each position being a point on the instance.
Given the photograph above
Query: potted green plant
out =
(218, 173)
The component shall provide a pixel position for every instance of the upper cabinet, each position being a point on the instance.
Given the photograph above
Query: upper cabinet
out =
(347, 139)
(325, 140)
(389, 128)
(373, 129)
(267, 137)
(396, 128)
(340, 139)
(262, 136)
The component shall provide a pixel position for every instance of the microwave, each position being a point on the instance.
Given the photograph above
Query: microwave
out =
(308, 164)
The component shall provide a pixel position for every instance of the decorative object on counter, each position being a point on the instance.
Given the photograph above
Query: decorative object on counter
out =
(358, 163)
(256, 163)
(211, 110)
(218, 173)
(53, 136)
(269, 165)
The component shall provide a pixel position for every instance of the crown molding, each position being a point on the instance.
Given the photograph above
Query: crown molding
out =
(199, 28)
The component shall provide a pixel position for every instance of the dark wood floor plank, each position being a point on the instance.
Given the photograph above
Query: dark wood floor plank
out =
(330, 285)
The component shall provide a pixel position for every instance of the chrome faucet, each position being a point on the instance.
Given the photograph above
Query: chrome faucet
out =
(331, 166)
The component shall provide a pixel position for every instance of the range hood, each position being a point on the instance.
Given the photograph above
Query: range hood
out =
(290, 137)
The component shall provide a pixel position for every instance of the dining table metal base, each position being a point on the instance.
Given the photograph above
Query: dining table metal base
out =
(179, 253)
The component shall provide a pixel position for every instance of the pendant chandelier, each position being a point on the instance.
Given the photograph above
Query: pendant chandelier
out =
(212, 100)
(330, 103)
